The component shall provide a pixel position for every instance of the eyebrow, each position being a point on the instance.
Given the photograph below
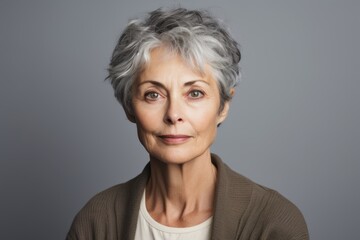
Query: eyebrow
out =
(195, 81)
(156, 83)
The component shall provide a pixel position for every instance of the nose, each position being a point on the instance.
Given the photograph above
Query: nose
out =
(173, 112)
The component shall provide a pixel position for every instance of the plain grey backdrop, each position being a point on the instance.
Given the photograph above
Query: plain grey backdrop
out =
(293, 124)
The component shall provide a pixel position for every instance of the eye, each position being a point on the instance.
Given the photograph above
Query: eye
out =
(196, 94)
(152, 96)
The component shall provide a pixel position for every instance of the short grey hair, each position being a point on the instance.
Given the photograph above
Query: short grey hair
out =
(195, 35)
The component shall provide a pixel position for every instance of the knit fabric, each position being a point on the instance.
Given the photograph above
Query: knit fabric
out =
(243, 210)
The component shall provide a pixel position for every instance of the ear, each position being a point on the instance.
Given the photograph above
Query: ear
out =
(223, 114)
(232, 92)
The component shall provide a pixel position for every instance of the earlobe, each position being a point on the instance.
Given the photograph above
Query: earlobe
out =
(232, 92)
(224, 112)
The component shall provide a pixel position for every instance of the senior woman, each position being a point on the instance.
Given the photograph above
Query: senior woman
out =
(174, 73)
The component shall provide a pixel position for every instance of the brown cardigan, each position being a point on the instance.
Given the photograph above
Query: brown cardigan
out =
(243, 210)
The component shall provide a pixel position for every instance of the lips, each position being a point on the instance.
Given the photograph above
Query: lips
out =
(174, 139)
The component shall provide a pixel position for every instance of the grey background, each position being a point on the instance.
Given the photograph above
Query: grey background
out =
(293, 125)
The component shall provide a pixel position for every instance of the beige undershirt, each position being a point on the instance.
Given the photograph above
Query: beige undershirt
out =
(148, 229)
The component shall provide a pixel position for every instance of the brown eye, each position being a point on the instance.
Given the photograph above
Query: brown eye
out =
(196, 94)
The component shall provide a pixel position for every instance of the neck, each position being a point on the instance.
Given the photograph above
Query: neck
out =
(178, 191)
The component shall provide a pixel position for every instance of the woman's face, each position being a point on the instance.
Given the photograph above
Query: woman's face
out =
(176, 110)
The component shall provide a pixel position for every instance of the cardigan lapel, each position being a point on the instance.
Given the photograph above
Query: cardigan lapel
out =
(232, 196)
(127, 222)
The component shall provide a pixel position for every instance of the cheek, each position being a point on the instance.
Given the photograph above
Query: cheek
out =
(146, 121)
(145, 129)
(204, 121)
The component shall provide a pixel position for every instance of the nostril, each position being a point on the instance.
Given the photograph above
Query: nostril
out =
(168, 120)
(172, 120)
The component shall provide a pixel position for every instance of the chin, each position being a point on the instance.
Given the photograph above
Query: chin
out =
(170, 158)
(177, 156)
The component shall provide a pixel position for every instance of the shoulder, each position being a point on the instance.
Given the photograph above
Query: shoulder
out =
(97, 218)
(96, 207)
(262, 213)
(105, 201)
(280, 218)
(276, 216)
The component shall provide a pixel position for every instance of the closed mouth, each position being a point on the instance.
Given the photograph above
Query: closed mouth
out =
(174, 139)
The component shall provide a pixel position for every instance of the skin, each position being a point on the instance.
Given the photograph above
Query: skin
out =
(176, 111)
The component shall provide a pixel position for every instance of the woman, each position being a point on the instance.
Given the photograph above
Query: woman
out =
(174, 74)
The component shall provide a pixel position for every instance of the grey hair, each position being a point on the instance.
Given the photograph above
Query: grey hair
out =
(195, 35)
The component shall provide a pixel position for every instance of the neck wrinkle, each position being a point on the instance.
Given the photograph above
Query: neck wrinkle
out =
(176, 190)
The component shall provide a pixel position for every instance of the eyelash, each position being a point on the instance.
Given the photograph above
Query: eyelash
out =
(150, 95)
(201, 94)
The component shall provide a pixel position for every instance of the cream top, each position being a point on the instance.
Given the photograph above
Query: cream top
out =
(148, 229)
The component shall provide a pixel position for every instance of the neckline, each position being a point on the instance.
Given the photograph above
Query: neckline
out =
(144, 212)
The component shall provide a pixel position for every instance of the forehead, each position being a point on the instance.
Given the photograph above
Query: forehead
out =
(163, 62)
